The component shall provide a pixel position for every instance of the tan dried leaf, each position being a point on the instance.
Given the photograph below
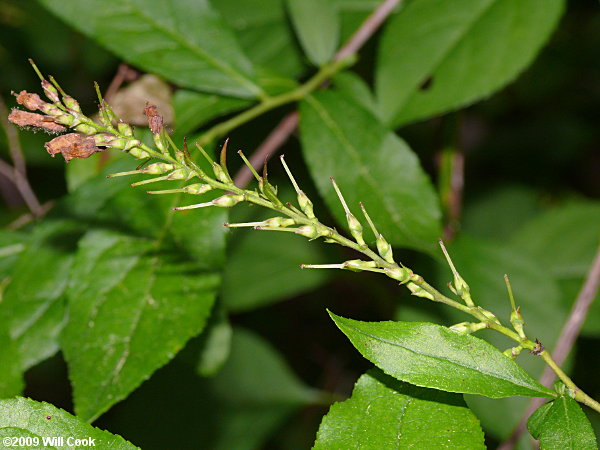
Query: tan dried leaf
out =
(72, 145)
(28, 119)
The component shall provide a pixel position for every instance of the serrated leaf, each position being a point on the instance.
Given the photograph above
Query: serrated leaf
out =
(317, 26)
(370, 164)
(264, 33)
(130, 311)
(562, 425)
(436, 56)
(33, 302)
(23, 417)
(385, 413)
(194, 109)
(433, 356)
(186, 42)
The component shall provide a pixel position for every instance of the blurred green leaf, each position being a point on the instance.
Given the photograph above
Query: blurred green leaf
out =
(194, 109)
(317, 26)
(564, 240)
(263, 268)
(370, 164)
(11, 376)
(23, 417)
(561, 424)
(437, 56)
(215, 342)
(433, 356)
(33, 303)
(186, 42)
(354, 87)
(131, 310)
(482, 264)
(380, 406)
(265, 34)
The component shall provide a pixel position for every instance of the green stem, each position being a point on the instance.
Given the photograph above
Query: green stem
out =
(270, 103)
(580, 396)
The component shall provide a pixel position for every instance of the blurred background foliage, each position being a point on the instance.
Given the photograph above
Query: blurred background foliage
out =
(530, 208)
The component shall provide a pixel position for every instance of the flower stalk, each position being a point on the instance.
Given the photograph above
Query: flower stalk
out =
(168, 163)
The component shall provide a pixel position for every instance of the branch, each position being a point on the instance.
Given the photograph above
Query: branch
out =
(17, 174)
(287, 126)
(565, 342)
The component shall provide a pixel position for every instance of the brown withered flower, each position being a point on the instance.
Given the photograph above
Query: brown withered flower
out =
(33, 102)
(28, 119)
(155, 120)
(72, 145)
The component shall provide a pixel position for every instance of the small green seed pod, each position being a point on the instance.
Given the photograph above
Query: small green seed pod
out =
(125, 129)
(157, 168)
(197, 188)
(384, 249)
(401, 274)
(228, 200)
(50, 91)
(305, 205)
(139, 153)
(71, 103)
(308, 231)
(85, 128)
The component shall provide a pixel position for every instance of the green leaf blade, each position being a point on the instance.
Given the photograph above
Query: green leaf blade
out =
(386, 413)
(433, 356)
(436, 56)
(370, 164)
(317, 26)
(561, 425)
(186, 42)
(27, 418)
(130, 313)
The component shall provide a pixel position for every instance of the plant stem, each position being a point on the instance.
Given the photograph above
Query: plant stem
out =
(270, 103)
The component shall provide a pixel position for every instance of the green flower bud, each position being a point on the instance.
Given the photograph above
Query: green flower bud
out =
(220, 174)
(228, 200)
(66, 119)
(384, 249)
(157, 168)
(139, 153)
(402, 274)
(308, 231)
(179, 174)
(85, 128)
(71, 103)
(197, 188)
(418, 291)
(102, 139)
(278, 222)
(50, 91)
(160, 143)
(125, 129)
(488, 315)
(356, 265)
(305, 205)
(462, 328)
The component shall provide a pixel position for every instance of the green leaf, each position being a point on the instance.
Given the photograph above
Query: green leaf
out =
(370, 164)
(482, 263)
(194, 109)
(130, 311)
(434, 356)
(23, 417)
(265, 34)
(563, 240)
(560, 425)
(385, 413)
(317, 26)
(436, 56)
(263, 268)
(352, 86)
(32, 308)
(215, 343)
(11, 376)
(186, 42)
(253, 395)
